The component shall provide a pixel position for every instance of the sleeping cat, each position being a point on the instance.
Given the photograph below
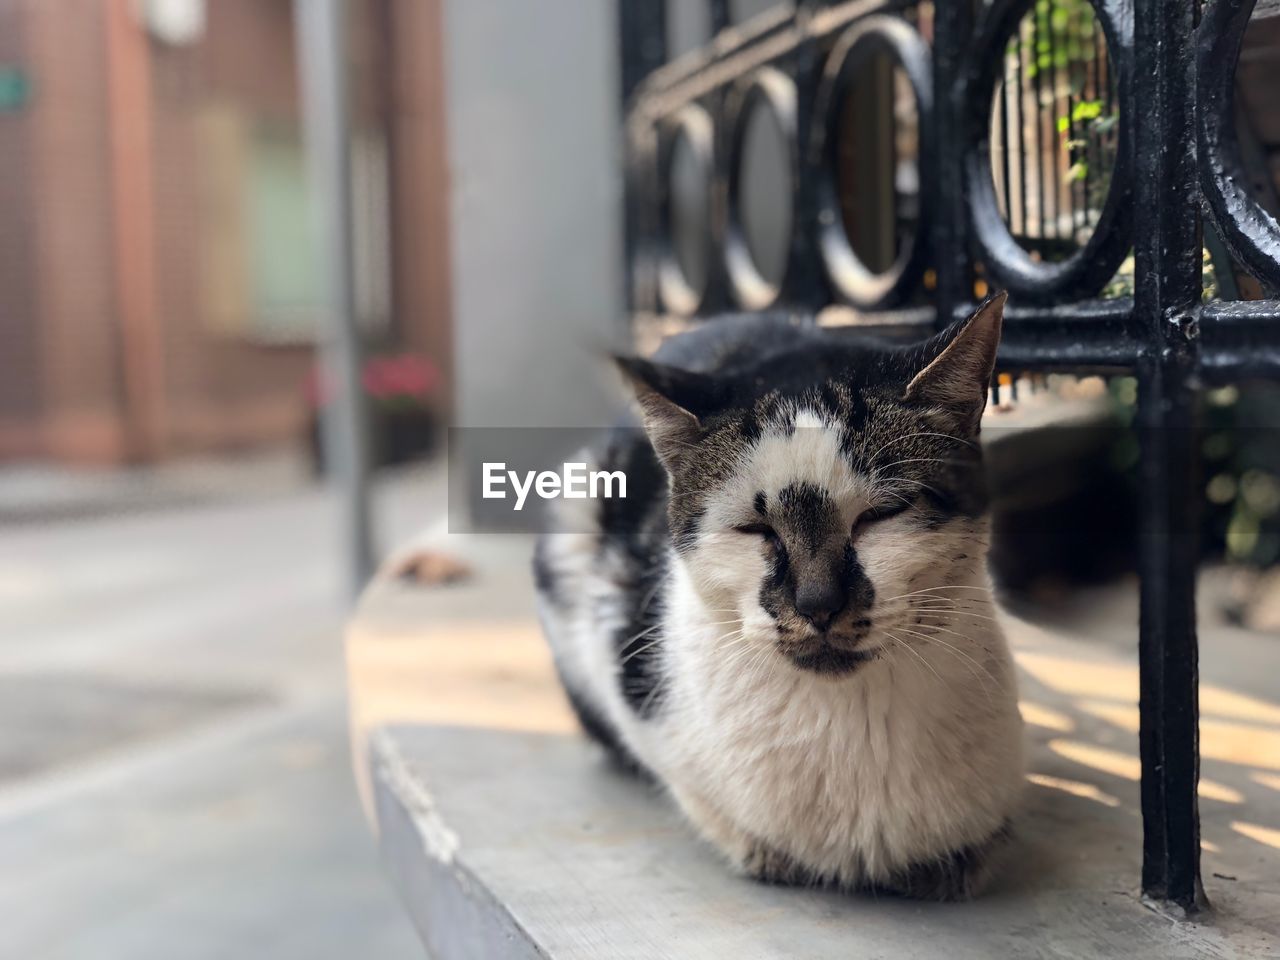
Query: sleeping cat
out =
(788, 623)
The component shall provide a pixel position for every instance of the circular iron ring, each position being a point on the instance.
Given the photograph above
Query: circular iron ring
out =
(777, 93)
(1250, 232)
(695, 126)
(1088, 270)
(849, 276)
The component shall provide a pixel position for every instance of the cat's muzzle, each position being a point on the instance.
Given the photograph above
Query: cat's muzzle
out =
(838, 650)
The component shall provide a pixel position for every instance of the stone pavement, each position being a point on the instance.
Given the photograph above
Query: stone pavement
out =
(174, 773)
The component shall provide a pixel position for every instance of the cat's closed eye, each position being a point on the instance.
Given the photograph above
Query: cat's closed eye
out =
(760, 530)
(876, 514)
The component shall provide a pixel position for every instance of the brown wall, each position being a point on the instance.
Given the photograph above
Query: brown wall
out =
(420, 181)
(21, 395)
(62, 324)
(107, 341)
(222, 389)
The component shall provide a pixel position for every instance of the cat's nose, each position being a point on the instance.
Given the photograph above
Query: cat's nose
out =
(818, 601)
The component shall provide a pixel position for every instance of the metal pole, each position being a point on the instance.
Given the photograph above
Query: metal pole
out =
(321, 33)
(953, 34)
(1166, 302)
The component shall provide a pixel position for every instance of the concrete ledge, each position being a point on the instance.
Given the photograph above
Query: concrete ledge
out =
(509, 836)
(514, 844)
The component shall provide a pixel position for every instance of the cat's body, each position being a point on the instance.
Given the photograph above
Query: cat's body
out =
(799, 643)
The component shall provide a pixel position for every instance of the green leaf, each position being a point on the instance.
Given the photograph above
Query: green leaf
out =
(1086, 110)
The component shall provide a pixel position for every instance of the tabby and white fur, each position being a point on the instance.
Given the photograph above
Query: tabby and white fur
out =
(788, 623)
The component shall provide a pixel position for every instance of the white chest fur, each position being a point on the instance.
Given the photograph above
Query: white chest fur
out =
(854, 776)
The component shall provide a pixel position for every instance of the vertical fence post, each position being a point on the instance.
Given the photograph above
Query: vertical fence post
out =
(321, 35)
(952, 33)
(1166, 301)
(642, 30)
(719, 15)
(642, 48)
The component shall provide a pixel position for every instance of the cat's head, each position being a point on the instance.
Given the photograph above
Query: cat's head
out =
(824, 497)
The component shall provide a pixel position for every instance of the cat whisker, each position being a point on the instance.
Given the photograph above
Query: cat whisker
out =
(894, 493)
(958, 586)
(915, 460)
(943, 614)
(981, 673)
(934, 626)
(919, 483)
(921, 433)
(946, 603)
(643, 633)
(915, 653)
(635, 653)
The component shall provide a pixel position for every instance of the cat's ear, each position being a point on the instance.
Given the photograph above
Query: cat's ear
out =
(962, 359)
(666, 396)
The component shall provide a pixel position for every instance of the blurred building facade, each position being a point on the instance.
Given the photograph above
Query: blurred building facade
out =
(157, 286)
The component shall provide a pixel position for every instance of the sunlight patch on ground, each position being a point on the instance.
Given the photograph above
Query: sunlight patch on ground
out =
(1105, 681)
(1127, 766)
(1126, 718)
(1108, 761)
(1243, 744)
(1215, 701)
(1087, 791)
(1081, 678)
(1265, 835)
(1039, 715)
(1267, 780)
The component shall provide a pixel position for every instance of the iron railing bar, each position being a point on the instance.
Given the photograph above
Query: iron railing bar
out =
(1051, 192)
(953, 26)
(719, 15)
(1087, 133)
(1083, 312)
(1022, 141)
(730, 55)
(642, 30)
(1005, 121)
(762, 40)
(1104, 71)
(1039, 119)
(1220, 368)
(1054, 137)
(1095, 96)
(1166, 306)
(642, 50)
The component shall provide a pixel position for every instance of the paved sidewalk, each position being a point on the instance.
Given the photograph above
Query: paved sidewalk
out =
(40, 493)
(174, 771)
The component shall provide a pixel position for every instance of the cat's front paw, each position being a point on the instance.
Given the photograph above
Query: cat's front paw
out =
(769, 865)
(960, 875)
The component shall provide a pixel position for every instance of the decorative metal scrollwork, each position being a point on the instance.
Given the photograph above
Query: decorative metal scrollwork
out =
(694, 126)
(1250, 232)
(773, 90)
(848, 275)
(1086, 272)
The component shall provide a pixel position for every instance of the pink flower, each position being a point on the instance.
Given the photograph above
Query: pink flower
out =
(403, 377)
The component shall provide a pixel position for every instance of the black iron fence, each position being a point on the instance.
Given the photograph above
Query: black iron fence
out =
(1049, 141)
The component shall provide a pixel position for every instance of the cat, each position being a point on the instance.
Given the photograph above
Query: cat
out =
(788, 624)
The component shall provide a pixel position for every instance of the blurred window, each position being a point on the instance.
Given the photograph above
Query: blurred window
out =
(260, 273)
